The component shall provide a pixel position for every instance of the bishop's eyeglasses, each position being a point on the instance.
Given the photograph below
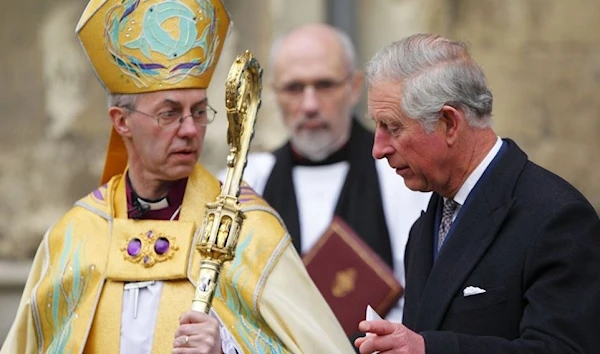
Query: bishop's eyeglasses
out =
(173, 118)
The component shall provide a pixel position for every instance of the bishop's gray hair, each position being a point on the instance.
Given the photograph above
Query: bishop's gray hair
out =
(122, 100)
(432, 72)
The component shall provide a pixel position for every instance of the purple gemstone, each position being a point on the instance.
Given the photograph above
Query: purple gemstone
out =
(134, 247)
(150, 234)
(161, 246)
(146, 259)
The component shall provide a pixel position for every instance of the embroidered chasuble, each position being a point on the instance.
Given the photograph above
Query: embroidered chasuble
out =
(72, 301)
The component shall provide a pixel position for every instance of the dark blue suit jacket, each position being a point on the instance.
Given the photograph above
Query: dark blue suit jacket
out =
(528, 238)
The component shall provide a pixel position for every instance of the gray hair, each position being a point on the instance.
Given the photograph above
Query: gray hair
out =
(343, 38)
(434, 72)
(122, 100)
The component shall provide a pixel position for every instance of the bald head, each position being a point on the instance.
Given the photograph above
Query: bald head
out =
(317, 85)
(313, 40)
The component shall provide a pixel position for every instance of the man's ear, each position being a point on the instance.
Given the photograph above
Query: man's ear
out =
(451, 120)
(118, 117)
(357, 81)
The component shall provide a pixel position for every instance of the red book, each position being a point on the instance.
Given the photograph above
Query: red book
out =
(350, 275)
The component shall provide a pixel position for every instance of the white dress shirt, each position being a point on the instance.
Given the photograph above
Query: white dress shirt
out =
(317, 190)
(471, 181)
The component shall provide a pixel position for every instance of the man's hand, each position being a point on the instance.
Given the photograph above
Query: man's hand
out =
(198, 333)
(387, 337)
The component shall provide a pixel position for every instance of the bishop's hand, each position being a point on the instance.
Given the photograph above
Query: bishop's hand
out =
(198, 333)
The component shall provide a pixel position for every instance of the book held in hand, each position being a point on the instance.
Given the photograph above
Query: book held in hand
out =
(351, 276)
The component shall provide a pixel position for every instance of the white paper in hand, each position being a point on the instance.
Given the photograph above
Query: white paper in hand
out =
(371, 316)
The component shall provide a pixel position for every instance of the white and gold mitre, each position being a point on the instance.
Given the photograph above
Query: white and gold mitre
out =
(138, 46)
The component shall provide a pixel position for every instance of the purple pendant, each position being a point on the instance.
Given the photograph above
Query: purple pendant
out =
(134, 247)
(161, 246)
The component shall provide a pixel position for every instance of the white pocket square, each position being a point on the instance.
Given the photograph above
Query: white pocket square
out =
(472, 290)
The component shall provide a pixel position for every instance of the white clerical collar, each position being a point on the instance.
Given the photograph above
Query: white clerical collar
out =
(161, 204)
(469, 184)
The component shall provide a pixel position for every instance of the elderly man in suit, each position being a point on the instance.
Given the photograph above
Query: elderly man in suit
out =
(506, 257)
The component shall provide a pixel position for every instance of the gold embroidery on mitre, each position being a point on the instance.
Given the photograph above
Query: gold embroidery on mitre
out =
(143, 46)
(149, 248)
(344, 282)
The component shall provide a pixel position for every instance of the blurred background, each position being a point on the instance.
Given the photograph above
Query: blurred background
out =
(542, 59)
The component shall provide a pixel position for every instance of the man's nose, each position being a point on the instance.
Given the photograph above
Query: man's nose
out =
(188, 127)
(381, 145)
(310, 100)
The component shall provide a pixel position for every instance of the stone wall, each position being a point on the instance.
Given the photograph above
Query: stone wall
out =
(52, 126)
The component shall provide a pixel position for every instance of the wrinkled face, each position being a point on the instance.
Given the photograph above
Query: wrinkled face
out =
(166, 153)
(316, 92)
(415, 154)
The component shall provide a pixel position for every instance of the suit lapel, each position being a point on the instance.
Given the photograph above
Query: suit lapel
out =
(419, 260)
(471, 235)
(423, 249)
